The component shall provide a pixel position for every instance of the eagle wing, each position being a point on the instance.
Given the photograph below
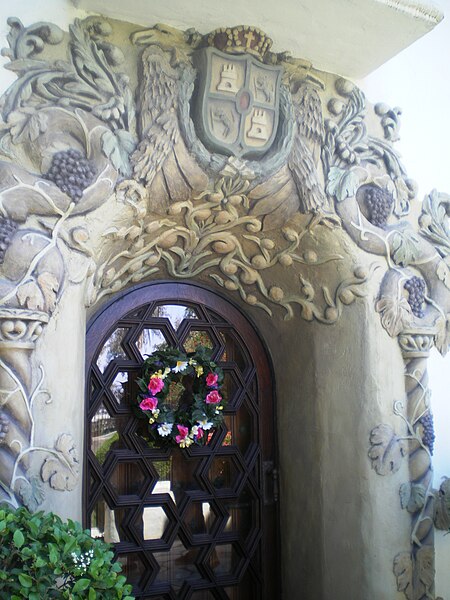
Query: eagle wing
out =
(297, 186)
(161, 162)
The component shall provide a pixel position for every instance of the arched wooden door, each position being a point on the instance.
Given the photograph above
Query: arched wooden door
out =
(199, 523)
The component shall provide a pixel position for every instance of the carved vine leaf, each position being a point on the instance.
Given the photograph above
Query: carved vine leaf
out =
(118, 146)
(405, 250)
(442, 339)
(403, 571)
(443, 274)
(49, 286)
(62, 471)
(26, 125)
(435, 222)
(30, 296)
(387, 450)
(396, 314)
(442, 500)
(30, 492)
(412, 496)
(425, 565)
(343, 183)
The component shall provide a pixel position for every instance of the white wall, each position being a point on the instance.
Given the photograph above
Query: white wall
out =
(418, 80)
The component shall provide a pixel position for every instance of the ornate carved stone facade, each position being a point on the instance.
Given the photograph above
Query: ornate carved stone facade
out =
(277, 184)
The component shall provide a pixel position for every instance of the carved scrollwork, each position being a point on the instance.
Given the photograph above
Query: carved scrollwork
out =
(215, 234)
(416, 343)
(21, 327)
(88, 82)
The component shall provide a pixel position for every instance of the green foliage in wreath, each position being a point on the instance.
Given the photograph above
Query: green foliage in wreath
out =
(41, 557)
(200, 409)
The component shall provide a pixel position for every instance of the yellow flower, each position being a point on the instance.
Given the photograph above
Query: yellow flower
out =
(181, 366)
(186, 442)
(158, 374)
(151, 421)
(199, 370)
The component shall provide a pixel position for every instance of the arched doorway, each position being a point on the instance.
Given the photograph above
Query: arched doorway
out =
(199, 523)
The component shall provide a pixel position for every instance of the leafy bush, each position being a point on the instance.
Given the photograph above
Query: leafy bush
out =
(41, 557)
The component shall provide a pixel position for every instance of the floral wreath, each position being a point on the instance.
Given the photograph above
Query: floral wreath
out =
(200, 408)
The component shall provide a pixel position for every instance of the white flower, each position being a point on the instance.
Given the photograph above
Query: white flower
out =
(165, 429)
(181, 366)
(155, 413)
(205, 424)
(194, 430)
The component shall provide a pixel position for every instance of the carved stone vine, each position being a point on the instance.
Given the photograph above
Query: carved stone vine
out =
(157, 199)
(414, 568)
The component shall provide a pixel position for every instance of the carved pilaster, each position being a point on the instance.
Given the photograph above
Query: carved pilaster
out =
(19, 330)
(417, 496)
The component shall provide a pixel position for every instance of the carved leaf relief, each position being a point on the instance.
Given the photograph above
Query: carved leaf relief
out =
(118, 146)
(387, 450)
(412, 497)
(405, 249)
(26, 125)
(62, 470)
(343, 183)
(396, 314)
(425, 564)
(30, 492)
(403, 571)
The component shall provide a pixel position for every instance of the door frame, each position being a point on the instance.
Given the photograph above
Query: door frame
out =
(102, 323)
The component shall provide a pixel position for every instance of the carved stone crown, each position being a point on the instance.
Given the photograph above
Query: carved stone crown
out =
(240, 40)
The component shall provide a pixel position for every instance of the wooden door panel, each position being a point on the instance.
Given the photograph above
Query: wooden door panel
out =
(195, 523)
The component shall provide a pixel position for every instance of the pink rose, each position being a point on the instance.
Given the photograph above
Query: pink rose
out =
(211, 379)
(213, 397)
(148, 404)
(183, 433)
(199, 433)
(155, 385)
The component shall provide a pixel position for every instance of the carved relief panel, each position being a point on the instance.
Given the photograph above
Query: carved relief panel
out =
(213, 158)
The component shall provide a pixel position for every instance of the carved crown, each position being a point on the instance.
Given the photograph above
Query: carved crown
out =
(240, 40)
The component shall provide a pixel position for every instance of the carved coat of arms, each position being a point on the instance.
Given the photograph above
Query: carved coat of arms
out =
(237, 108)
(218, 106)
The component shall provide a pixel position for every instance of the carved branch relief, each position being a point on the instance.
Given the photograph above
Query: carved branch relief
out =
(249, 182)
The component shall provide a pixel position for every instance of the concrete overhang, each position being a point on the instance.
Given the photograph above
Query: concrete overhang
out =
(347, 37)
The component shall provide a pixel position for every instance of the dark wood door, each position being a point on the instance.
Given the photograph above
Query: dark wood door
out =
(198, 523)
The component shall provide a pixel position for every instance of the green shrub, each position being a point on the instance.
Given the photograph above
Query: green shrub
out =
(41, 557)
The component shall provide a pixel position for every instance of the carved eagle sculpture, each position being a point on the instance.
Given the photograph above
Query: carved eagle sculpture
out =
(163, 164)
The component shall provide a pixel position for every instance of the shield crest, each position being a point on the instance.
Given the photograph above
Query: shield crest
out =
(237, 105)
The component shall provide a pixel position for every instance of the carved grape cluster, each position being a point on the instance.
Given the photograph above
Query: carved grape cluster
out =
(4, 428)
(379, 204)
(345, 151)
(71, 172)
(428, 436)
(7, 229)
(415, 286)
